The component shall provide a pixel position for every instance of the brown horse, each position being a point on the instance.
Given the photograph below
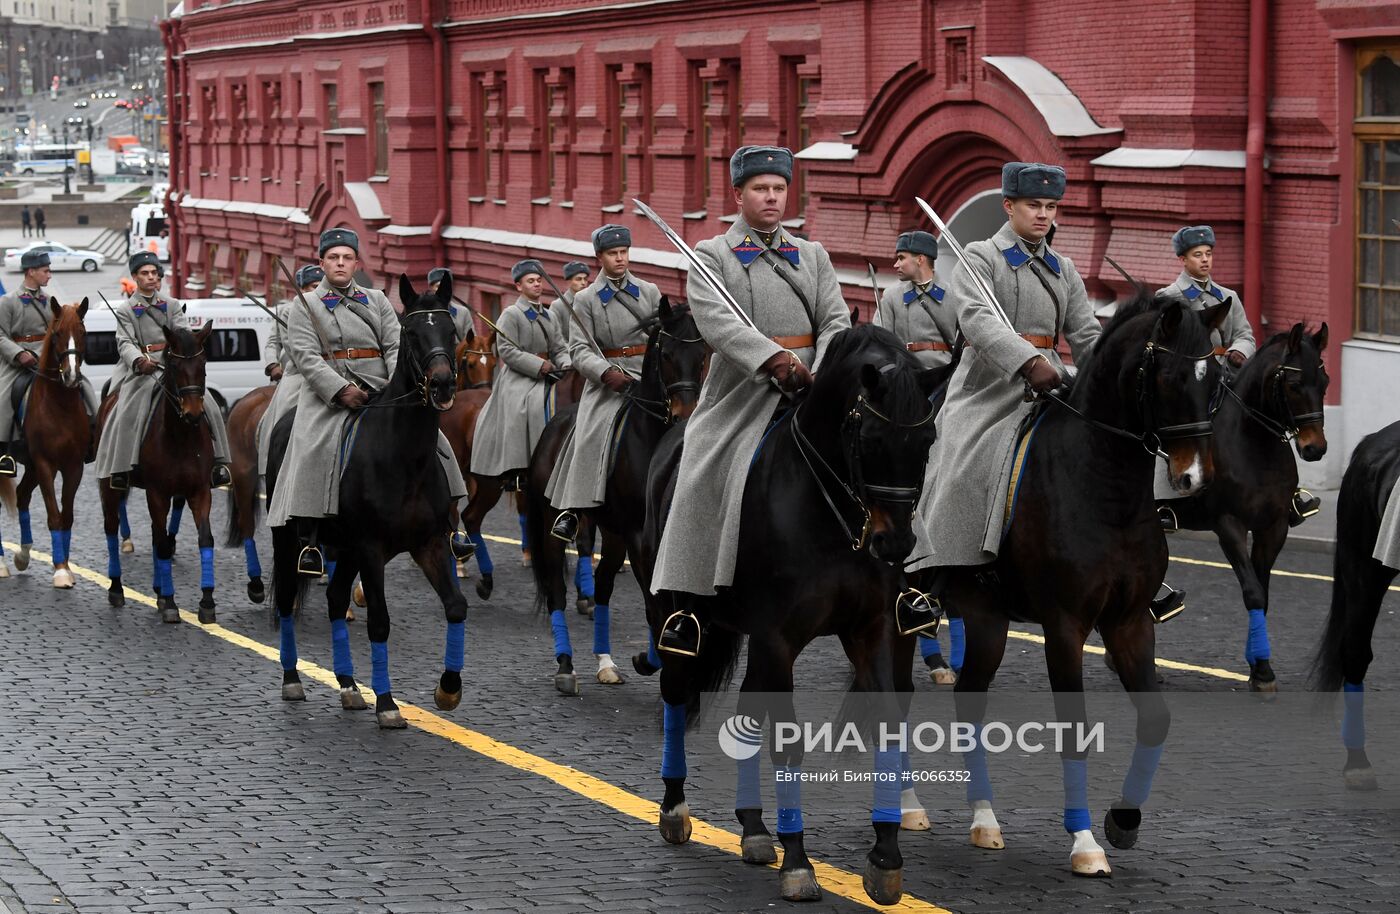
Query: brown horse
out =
(476, 360)
(57, 435)
(244, 500)
(176, 460)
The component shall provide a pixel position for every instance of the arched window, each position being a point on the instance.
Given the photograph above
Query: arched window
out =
(1377, 132)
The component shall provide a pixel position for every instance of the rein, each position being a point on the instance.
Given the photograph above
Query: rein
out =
(419, 395)
(660, 410)
(1284, 432)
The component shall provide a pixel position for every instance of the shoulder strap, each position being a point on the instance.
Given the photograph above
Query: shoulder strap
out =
(767, 255)
(619, 293)
(926, 302)
(1054, 297)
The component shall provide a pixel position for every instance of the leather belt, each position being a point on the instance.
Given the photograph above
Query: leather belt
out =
(37, 338)
(1217, 351)
(355, 354)
(155, 347)
(929, 347)
(804, 341)
(623, 352)
(542, 355)
(1038, 341)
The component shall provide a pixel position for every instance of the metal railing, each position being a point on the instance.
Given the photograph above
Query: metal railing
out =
(113, 244)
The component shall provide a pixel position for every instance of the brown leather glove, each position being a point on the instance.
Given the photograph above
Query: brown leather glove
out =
(273, 370)
(788, 371)
(615, 380)
(351, 397)
(145, 366)
(1236, 357)
(26, 359)
(546, 368)
(1041, 375)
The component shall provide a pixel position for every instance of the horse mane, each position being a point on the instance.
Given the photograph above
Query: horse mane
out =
(852, 347)
(1142, 303)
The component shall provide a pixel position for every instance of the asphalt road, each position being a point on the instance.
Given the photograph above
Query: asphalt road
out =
(148, 767)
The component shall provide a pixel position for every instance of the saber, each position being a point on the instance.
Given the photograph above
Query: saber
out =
(874, 286)
(135, 330)
(987, 297)
(270, 313)
(557, 374)
(316, 326)
(1141, 289)
(698, 266)
(588, 337)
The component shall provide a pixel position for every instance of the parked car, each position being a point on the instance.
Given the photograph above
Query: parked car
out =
(61, 257)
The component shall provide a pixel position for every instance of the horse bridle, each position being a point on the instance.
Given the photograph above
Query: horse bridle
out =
(485, 354)
(1285, 432)
(422, 383)
(661, 409)
(187, 389)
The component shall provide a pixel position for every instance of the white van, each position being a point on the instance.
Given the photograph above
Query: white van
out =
(235, 363)
(149, 231)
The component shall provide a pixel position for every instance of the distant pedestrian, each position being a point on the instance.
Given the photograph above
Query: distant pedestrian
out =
(24, 221)
(40, 225)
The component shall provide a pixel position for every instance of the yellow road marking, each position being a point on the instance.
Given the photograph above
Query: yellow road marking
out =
(1169, 664)
(832, 878)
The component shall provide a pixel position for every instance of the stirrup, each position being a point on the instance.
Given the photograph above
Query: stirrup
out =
(7, 466)
(1168, 606)
(119, 482)
(311, 563)
(1167, 518)
(565, 526)
(916, 611)
(1303, 506)
(462, 548)
(672, 641)
(220, 478)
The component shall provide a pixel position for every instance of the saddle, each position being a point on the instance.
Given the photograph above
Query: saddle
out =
(1025, 434)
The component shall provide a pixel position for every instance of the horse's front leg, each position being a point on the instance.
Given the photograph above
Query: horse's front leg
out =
(797, 878)
(1234, 536)
(584, 584)
(199, 507)
(986, 644)
(1132, 642)
(614, 553)
(1064, 657)
(23, 493)
(436, 560)
(487, 491)
(59, 535)
(72, 479)
(285, 584)
(386, 711)
(342, 576)
(162, 581)
(111, 523)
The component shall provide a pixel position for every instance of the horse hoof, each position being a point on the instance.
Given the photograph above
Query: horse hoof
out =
(1361, 779)
(566, 683)
(352, 700)
(914, 820)
(128, 547)
(293, 691)
(349, 614)
(1087, 858)
(943, 676)
(799, 885)
(4, 568)
(584, 606)
(256, 591)
(1120, 826)
(446, 701)
(609, 675)
(358, 595)
(759, 850)
(485, 586)
(116, 598)
(525, 560)
(22, 560)
(675, 825)
(642, 665)
(391, 719)
(63, 579)
(207, 615)
(883, 886)
(170, 613)
(1265, 689)
(462, 570)
(987, 837)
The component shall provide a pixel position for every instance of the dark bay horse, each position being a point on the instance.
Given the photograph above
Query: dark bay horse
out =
(57, 436)
(1275, 400)
(176, 461)
(1359, 584)
(672, 370)
(1085, 549)
(244, 497)
(393, 499)
(825, 529)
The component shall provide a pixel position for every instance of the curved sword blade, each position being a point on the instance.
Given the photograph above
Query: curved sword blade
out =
(696, 264)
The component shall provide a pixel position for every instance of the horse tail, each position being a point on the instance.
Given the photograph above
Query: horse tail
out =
(713, 670)
(537, 521)
(234, 535)
(7, 494)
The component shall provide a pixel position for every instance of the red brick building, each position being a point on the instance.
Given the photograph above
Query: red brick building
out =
(473, 132)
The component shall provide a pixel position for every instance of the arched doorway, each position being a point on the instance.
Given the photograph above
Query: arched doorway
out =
(977, 219)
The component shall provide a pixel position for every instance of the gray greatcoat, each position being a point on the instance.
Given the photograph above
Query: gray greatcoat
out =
(1235, 333)
(140, 322)
(514, 417)
(1387, 548)
(700, 542)
(284, 398)
(580, 477)
(461, 320)
(25, 314)
(309, 481)
(919, 316)
(960, 515)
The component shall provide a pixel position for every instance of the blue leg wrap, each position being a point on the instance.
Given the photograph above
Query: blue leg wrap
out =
(887, 777)
(123, 524)
(379, 667)
(560, 628)
(341, 660)
(483, 555)
(26, 533)
(929, 647)
(602, 629)
(747, 795)
(1137, 783)
(330, 570)
(1076, 771)
(1354, 715)
(906, 771)
(206, 567)
(56, 537)
(789, 790)
(979, 784)
(250, 555)
(161, 580)
(1257, 645)
(176, 514)
(524, 532)
(456, 647)
(957, 644)
(652, 656)
(67, 544)
(673, 742)
(583, 576)
(114, 556)
(289, 644)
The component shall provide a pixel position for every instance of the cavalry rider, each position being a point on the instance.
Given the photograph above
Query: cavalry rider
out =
(575, 280)
(789, 289)
(616, 311)
(914, 310)
(531, 345)
(141, 320)
(24, 320)
(344, 342)
(280, 367)
(461, 317)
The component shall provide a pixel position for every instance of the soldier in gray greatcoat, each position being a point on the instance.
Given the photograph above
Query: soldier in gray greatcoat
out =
(24, 321)
(141, 320)
(281, 368)
(915, 309)
(789, 288)
(344, 341)
(462, 318)
(575, 279)
(531, 345)
(615, 310)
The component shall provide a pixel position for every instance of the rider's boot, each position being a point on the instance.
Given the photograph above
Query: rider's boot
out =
(565, 526)
(220, 478)
(1167, 606)
(1303, 506)
(681, 634)
(310, 562)
(1167, 518)
(7, 462)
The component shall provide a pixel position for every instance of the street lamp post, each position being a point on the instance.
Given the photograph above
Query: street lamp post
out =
(67, 185)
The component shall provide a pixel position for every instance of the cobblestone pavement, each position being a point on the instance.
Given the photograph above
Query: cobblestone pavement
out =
(150, 768)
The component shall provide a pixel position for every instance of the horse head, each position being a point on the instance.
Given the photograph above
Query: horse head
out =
(476, 359)
(186, 355)
(1297, 387)
(428, 342)
(676, 359)
(877, 398)
(65, 343)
